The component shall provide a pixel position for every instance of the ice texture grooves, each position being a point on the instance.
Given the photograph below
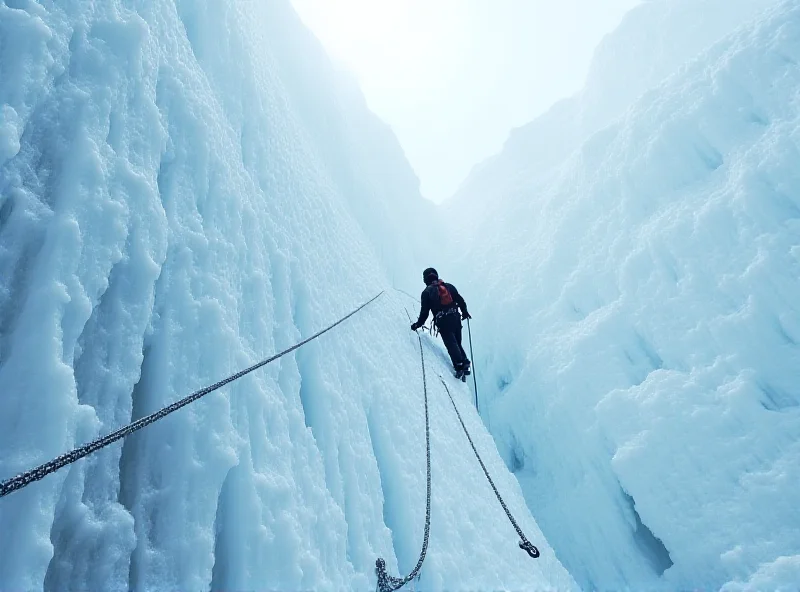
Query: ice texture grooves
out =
(641, 331)
(187, 188)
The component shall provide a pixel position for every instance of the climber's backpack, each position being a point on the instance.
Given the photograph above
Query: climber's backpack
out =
(445, 298)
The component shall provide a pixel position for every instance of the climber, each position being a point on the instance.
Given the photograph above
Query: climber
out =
(444, 301)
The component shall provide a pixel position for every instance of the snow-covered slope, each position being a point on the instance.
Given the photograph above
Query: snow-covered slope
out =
(186, 188)
(640, 330)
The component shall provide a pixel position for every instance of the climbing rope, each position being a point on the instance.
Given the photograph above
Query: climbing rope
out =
(414, 298)
(524, 543)
(387, 583)
(472, 357)
(42, 471)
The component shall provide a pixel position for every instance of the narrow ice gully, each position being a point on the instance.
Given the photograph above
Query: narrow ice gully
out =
(185, 189)
(183, 193)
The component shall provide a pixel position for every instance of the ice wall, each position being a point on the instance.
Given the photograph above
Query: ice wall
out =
(653, 41)
(186, 188)
(640, 329)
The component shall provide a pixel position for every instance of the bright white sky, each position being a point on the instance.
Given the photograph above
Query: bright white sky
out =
(452, 77)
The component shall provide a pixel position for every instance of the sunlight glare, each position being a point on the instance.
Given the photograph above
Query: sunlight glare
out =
(387, 43)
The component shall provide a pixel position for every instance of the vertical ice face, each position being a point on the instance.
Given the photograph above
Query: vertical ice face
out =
(186, 188)
(654, 41)
(643, 324)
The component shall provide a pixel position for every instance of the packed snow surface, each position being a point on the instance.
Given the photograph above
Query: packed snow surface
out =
(639, 317)
(186, 188)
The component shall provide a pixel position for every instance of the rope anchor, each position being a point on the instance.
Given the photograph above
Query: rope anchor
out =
(529, 548)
